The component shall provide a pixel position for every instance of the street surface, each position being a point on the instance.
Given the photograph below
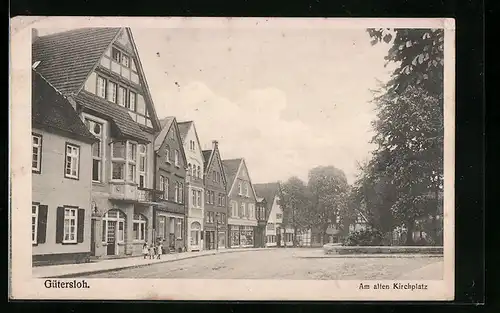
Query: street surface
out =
(285, 264)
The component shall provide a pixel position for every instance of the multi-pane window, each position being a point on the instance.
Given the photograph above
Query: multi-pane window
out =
(36, 164)
(122, 96)
(116, 55)
(193, 200)
(34, 223)
(178, 229)
(101, 87)
(176, 155)
(142, 166)
(97, 130)
(70, 225)
(162, 186)
(139, 227)
(181, 193)
(132, 100)
(125, 61)
(72, 161)
(167, 154)
(123, 161)
(131, 160)
(111, 91)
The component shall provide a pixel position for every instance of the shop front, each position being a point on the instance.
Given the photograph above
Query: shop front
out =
(170, 231)
(241, 236)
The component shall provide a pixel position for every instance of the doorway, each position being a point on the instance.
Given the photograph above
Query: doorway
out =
(111, 248)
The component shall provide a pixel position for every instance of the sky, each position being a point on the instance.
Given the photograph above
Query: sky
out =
(286, 100)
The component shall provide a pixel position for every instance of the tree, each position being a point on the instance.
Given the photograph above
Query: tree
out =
(329, 196)
(409, 135)
(420, 57)
(295, 203)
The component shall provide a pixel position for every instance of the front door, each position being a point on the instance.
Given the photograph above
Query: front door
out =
(111, 238)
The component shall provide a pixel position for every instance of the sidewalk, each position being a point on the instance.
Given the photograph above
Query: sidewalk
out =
(69, 270)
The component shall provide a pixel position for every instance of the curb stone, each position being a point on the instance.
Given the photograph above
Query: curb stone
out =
(119, 268)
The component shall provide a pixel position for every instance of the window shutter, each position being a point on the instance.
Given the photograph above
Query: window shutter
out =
(60, 224)
(42, 224)
(80, 225)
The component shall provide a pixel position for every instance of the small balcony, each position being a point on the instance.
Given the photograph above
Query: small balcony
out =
(131, 193)
(123, 191)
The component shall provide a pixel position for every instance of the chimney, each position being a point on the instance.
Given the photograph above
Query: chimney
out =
(215, 144)
(34, 35)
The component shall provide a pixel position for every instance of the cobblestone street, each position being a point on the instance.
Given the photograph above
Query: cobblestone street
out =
(287, 264)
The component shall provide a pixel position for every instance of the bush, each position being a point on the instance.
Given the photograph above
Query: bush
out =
(371, 237)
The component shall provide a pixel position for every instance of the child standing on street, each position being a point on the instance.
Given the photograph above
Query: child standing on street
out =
(159, 251)
(151, 252)
(145, 250)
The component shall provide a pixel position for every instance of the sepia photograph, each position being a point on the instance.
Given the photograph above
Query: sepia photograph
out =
(181, 155)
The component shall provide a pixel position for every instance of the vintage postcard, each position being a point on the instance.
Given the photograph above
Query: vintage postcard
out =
(232, 158)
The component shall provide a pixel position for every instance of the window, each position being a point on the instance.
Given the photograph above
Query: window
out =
(70, 222)
(116, 55)
(198, 173)
(250, 210)
(191, 145)
(36, 164)
(122, 97)
(223, 218)
(176, 160)
(111, 92)
(172, 225)
(34, 223)
(132, 157)
(162, 185)
(179, 229)
(167, 188)
(97, 130)
(194, 171)
(176, 192)
(142, 166)
(161, 227)
(213, 197)
(72, 161)
(139, 227)
(207, 196)
(213, 178)
(241, 210)
(193, 199)
(101, 87)
(270, 226)
(279, 216)
(125, 61)
(181, 193)
(189, 169)
(247, 190)
(123, 160)
(132, 100)
(239, 189)
(167, 154)
(199, 198)
(234, 208)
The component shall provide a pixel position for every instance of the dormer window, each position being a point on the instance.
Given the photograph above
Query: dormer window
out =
(167, 154)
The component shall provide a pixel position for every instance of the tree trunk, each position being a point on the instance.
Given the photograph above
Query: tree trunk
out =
(294, 236)
(409, 233)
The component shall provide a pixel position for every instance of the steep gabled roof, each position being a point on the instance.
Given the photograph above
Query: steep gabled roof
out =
(67, 58)
(231, 168)
(52, 111)
(120, 118)
(167, 123)
(268, 191)
(184, 128)
(206, 158)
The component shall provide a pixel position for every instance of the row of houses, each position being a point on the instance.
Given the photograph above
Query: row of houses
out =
(108, 175)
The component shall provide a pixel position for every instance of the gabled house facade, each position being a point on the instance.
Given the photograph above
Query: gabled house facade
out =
(242, 221)
(277, 233)
(99, 71)
(194, 185)
(61, 153)
(170, 169)
(215, 182)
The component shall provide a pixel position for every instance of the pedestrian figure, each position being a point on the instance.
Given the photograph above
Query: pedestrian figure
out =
(160, 250)
(151, 251)
(145, 250)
